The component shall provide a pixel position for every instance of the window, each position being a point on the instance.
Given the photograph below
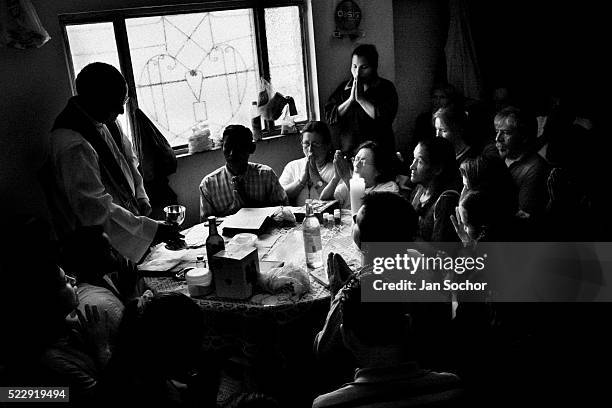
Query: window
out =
(184, 68)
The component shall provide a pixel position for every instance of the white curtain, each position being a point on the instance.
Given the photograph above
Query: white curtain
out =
(461, 64)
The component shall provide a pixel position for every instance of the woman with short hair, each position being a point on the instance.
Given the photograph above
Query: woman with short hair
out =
(372, 163)
(307, 177)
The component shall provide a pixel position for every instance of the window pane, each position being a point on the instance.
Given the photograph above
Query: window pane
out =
(194, 67)
(94, 43)
(285, 55)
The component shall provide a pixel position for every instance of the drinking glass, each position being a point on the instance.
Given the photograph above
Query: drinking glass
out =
(175, 215)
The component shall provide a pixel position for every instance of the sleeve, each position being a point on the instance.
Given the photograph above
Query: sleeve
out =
(128, 148)
(533, 191)
(335, 100)
(329, 338)
(206, 208)
(386, 103)
(80, 179)
(289, 174)
(278, 196)
(443, 229)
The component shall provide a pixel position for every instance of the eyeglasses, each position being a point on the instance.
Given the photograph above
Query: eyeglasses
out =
(361, 160)
(312, 144)
(70, 279)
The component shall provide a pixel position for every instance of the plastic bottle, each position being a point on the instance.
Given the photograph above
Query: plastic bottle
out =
(255, 121)
(214, 242)
(312, 238)
(357, 192)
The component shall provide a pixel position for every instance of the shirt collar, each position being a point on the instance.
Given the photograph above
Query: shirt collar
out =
(510, 162)
(87, 115)
(383, 374)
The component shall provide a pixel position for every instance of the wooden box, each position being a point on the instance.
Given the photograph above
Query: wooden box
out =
(235, 272)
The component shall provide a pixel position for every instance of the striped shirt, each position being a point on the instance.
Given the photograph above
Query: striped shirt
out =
(222, 193)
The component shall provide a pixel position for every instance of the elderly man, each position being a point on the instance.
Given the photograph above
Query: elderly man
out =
(93, 177)
(515, 132)
(239, 183)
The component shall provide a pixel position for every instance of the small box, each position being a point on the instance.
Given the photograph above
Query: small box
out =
(235, 272)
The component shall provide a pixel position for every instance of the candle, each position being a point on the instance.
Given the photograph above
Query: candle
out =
(357, 192)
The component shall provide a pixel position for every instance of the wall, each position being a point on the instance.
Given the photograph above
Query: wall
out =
(34, 85)
(419, 32)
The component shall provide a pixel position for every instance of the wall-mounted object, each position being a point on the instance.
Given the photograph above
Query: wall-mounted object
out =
(20, 26)
(348, 17)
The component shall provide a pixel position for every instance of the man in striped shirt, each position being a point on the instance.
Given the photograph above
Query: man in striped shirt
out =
(239, 183)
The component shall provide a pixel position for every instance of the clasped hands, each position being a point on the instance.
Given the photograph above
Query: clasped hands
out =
(311, 173)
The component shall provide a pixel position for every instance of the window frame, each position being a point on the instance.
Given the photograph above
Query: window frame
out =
(118, 16)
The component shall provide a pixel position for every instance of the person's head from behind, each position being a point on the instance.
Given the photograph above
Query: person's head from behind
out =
(502, 98)
(102, 91)
(238, 145)
(316, 141)
(373, 163)
(515, 131)
(364, 62)
(368, 328)
(477, 212)
(434, 163)
(384, 217)
(87, 254)
(450, 123)
(168, 322)
(442, 96)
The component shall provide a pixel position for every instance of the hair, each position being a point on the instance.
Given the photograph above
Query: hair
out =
(99, 79)
(167, 321)
(449, 90)
(384, 162)
(378, 207)
(454, 118)
(441, 155)
(241, 133)
(84, 251)
(320, 128)
(480, 210)
(374, 324)
(367, 51)
(490, 175)
(526, 124)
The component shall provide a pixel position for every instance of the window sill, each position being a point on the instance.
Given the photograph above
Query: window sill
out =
(184, 151)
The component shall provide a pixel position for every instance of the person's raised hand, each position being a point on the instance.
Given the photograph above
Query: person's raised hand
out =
(342, 166)
(313, 171)
(460, 228)
(338, 272)
(95, 329)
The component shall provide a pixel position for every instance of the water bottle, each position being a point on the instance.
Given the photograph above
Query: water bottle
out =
(214, 242)
(312, 238)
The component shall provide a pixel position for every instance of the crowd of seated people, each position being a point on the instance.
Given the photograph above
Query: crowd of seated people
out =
(472, 178)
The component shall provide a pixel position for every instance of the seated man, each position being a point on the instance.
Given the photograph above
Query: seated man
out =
(515, 133)
(239, 183)
(87, 255)
(378, 335)
(371, 225)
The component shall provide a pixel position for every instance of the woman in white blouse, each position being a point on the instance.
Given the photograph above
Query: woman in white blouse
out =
(307, 177)
(372, 163)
